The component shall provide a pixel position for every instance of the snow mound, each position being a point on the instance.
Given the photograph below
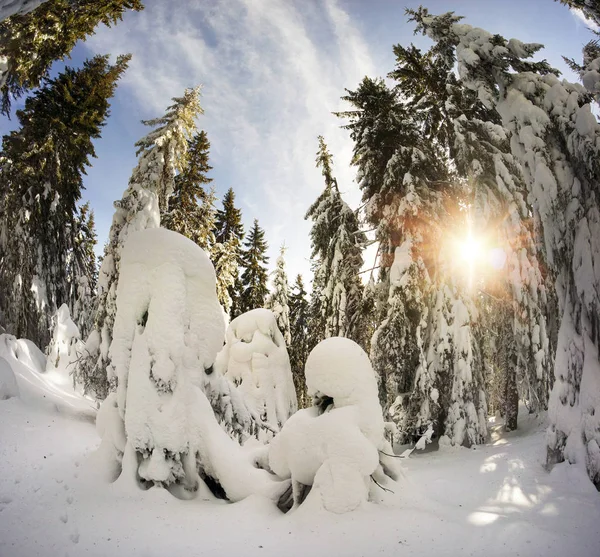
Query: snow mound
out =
(8, 382)
(168, 330)
(337, 444)
(255, 359)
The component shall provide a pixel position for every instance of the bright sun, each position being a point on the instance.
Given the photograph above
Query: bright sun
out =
(470, 249)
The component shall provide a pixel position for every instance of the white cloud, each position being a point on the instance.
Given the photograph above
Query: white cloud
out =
(578, 14)
(273, 71)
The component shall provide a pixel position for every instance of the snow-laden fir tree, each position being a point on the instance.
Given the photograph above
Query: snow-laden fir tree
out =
(555, 137)
(30, 42)
(299, 331)
(254, 278)
(478, 146)
(160, 155)
(190, 209)
(590, 8)
(337, 244)
(278, 299)
(83, 271)
(401, 176)
(46, 254)
(229, 234)
(589, 71)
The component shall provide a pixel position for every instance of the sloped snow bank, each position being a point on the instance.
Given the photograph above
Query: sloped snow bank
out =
(38, 387)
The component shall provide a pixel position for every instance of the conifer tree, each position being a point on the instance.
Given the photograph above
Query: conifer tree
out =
(30, 42)
(401, 175)
(453, 116)
(555, 138)
(83, 271)
(190, 210)
(44, 256)
(337, 244)
(278, 299)
(229, 234)
(590, 8)
(299, 332)
(161, 154)
(254, 278)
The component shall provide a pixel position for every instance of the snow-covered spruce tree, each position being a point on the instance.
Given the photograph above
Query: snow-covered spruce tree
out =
(589, 71)
(255, 276)
(478, 146)
(555, 137)
(83, 272)
(337, 244)
(590, 8)
(190, 209)
(255, 360)
(299, 332)
(161, 154)
(229, 234)
(40, 185)
(400, 174)
(159, 427)
(278, 299)
(30, 42)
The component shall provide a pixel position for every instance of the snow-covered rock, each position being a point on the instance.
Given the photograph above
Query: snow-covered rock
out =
(335, 445)
(255, 359)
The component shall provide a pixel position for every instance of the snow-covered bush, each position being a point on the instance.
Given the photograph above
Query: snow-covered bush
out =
(338, 444)
(65, 346)
(168, 330)
(255, 359)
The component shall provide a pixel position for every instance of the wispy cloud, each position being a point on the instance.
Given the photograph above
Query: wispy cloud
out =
(273, 71)
(578, 14)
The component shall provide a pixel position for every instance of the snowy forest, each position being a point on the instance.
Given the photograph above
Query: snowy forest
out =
(430, 385)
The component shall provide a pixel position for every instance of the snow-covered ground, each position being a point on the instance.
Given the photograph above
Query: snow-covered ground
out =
(494, 500)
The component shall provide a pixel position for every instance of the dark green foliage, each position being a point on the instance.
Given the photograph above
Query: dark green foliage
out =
(254, 278)
(229, 231)
(190, 209)
(40, 185)
(299, 347)
(31, 42)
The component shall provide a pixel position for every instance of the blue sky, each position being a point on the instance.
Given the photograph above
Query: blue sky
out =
(272, 72)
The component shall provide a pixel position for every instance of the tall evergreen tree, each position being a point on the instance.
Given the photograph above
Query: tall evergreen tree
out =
(40, 185)
(555, 138)
(255, 276)
(83, 271)
(337, 244)
(161, 153)
(299, 345)
(229, 234)
(190, 209)
(401, 175)
(278, 299)
(30, 42)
